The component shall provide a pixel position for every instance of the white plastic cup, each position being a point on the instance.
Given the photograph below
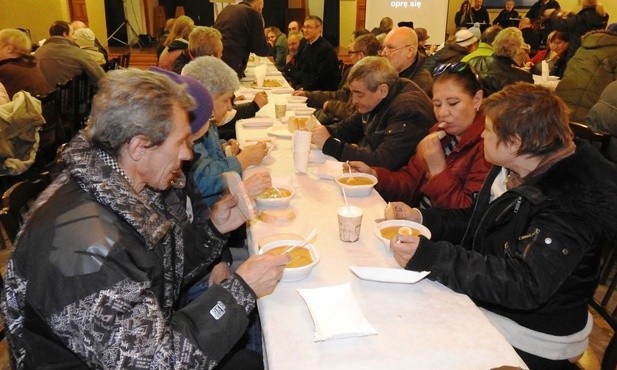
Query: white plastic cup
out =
(301, 140)
(301, 159)
(349, 223)
(260, 75)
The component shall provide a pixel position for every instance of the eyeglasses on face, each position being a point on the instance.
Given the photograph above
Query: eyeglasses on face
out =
(387, 49)
(305, 27)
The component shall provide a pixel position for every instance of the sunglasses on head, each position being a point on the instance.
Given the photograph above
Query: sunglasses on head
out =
(456, 67)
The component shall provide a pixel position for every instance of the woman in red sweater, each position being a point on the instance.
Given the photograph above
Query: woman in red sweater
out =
(448, 168)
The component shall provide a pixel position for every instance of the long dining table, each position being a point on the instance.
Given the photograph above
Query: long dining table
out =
(424, 325)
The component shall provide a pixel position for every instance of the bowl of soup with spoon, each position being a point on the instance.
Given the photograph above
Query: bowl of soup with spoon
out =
(303, 258)
(386, 230)
(356, 184)
(275, 198)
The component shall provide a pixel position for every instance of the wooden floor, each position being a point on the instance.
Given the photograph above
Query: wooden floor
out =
(145, 57)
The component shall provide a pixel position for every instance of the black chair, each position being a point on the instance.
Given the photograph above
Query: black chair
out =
(49, 139)
(601, 140)
(84, 92)
(17, 201)
(112, 64)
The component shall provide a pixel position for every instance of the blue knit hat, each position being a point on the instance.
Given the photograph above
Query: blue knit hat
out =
(201, 114)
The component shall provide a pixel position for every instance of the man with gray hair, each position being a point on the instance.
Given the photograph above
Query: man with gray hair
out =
(400, 47)
(100, 264)
(393, 115)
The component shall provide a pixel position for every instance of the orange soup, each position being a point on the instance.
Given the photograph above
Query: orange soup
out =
(390, 232)
(300, 256)
(356, 180)
(271, 193)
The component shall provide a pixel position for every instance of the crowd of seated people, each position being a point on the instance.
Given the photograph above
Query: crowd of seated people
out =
(410, 114)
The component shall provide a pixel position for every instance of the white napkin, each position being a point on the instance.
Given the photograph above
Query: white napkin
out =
(260, 74)
(336, 313)
(257, 122)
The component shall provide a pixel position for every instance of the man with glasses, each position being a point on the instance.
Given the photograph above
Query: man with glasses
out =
(393, 115)
(317, 63)
(336, 105)
(401, 48)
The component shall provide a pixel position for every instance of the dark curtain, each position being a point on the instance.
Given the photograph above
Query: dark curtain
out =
(201, 11)
(114, 14)
(274, 13)
(331, 13)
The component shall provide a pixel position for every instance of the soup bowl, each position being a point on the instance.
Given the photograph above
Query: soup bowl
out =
(273, 199)
(304, 258)
(386, 230)
(297, 99)
(356, 184)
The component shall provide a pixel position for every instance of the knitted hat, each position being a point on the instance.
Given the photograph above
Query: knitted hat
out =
(476, 30)
(84, 37)
(612, 27)
(464, 38)
(422, 34)
(201, 114)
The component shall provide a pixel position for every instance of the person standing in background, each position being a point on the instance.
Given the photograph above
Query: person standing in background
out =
(463, 17)
(508, 17)
(242, 27)
(479, 12)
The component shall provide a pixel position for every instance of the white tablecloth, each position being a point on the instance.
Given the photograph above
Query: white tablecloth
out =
(420, 326)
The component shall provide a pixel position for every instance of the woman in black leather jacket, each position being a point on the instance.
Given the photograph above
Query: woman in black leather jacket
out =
(528, 253)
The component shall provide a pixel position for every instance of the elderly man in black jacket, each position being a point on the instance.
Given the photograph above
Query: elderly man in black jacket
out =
(393, 114)
(400, 47)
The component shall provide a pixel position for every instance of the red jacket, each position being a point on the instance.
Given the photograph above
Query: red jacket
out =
(453, 188)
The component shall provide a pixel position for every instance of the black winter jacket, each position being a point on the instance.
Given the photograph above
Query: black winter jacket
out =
(532, 254)
(388, 135)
